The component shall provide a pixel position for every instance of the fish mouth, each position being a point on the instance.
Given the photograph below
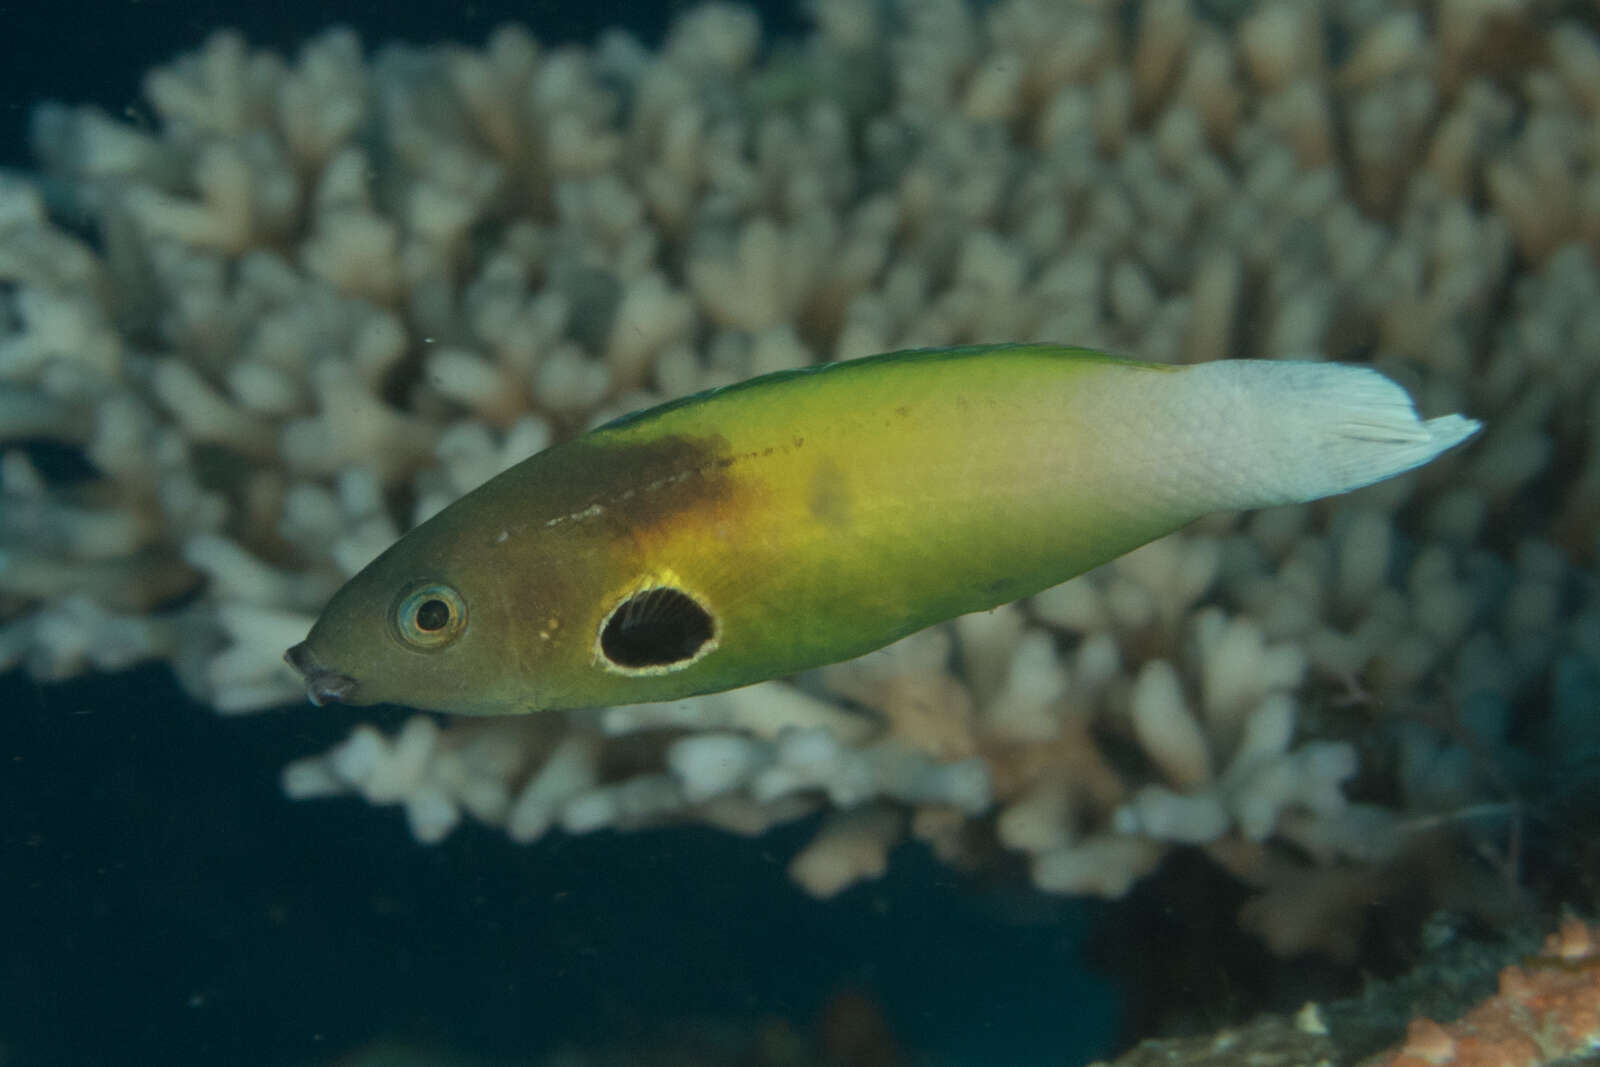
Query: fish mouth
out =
(322, 685)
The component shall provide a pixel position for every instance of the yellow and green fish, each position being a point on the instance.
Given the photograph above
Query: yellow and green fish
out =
(806, 517)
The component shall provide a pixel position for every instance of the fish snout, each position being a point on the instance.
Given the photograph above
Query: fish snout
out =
(322, 685)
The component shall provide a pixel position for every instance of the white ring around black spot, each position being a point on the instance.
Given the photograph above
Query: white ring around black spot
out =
(656, 631)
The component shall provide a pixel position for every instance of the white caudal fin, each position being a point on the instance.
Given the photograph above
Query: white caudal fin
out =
(1273, 432)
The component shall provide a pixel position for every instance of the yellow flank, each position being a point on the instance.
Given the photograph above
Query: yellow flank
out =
(807, 517)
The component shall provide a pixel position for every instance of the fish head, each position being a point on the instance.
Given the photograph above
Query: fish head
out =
(425, 625)
(593, 573)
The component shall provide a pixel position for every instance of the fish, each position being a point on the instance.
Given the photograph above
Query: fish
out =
(806, 517)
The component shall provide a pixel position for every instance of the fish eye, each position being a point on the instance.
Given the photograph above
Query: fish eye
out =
(429, 617)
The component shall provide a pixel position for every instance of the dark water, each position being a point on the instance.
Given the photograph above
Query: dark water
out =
(166, 904)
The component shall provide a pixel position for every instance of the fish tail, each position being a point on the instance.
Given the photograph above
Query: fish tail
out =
(1279, 432)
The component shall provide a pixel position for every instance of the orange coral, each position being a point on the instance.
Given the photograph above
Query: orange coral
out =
(1546, 1009)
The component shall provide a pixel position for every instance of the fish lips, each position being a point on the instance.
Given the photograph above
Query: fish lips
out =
(322, 685)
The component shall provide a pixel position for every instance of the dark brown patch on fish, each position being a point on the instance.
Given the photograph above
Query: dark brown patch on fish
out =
(643, 484)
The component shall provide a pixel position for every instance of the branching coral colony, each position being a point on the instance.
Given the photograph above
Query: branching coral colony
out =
(327, 295)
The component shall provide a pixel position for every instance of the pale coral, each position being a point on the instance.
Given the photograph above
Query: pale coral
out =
(328, 296)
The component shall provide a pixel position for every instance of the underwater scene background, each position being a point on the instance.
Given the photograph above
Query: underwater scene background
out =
(273, 292)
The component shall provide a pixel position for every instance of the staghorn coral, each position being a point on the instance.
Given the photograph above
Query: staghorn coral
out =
(328, 294)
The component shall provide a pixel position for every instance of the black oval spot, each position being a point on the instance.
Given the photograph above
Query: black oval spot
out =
(655, 628)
